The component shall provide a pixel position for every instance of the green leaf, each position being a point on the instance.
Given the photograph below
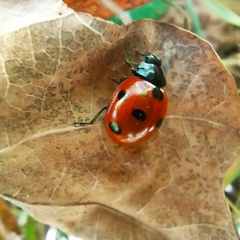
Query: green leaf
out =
(153, 10)
(194, 17)
(30, 229)
(222, 11)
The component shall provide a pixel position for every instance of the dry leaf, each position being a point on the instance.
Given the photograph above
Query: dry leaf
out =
(8, 222)
(53, 73)
(15, 14)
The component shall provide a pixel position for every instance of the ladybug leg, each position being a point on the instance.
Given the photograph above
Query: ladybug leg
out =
(132, 69)
(79, 124)
(122, 79)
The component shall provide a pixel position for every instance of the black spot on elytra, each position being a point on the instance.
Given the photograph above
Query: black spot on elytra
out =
(159, 123)
(139, 114)
(157, 93)
(115, 128)
(121, 94)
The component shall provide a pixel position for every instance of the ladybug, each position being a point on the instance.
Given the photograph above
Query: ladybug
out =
(139, 104)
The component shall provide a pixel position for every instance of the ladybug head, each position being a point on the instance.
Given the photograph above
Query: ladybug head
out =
(151, 58)
(151, 71)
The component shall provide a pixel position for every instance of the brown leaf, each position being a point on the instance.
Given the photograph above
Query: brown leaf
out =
(56, 72)
(7, 220)
(15, 14)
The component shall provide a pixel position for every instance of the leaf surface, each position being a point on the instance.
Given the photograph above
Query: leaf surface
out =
(55, 72)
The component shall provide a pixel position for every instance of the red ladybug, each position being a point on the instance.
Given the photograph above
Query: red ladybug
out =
(139, 104)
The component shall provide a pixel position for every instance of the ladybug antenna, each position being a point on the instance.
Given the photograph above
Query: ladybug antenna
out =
(140, 53)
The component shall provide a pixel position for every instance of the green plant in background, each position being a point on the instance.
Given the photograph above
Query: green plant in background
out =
(153, 10)
(221, 8)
